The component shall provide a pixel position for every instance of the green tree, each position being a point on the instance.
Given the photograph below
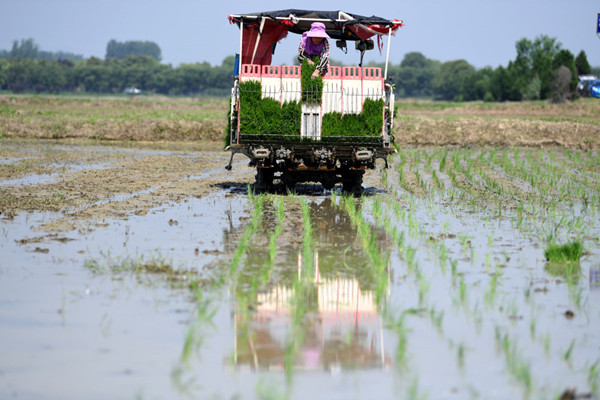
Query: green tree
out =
(138, 71)
(3, 67)
(478, 86)
(26, 49)
(414, 76)
(535, 59)
(449, 83)
(122, 50)
(160, 80)
(18, 75)
(504, 83)
(47, 76)
(565, 58)
(91, 75)
(228, 64)
(582, 64)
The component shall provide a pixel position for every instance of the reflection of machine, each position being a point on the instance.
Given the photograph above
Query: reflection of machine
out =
(342, 328)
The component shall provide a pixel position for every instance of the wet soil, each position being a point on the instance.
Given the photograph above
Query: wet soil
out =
(537, 124)
(104, 182)
(149, 271)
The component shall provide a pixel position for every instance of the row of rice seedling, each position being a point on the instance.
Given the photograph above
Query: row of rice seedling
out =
(476, 181)
(302, 283)
(461, 298)
(371, 246)
(472, 182)
(430, 192)
(395, 319)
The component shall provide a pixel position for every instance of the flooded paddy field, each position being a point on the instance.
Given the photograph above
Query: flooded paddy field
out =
(146, 270)
(154, 273)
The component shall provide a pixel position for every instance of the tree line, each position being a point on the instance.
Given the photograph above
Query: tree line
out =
(27, 48)
(541, 70)
(113, 75)
(126, 64)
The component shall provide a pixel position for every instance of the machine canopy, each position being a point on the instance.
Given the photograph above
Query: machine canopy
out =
(262, 30)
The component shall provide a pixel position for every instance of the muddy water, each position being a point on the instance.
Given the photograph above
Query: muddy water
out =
(151, 276)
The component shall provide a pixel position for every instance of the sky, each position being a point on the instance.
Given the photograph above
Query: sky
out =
(482, 32)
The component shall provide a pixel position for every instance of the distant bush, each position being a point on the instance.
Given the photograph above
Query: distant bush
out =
(561, 90)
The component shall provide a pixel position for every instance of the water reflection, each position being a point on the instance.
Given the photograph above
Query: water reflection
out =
(318, 314)
(595, 278)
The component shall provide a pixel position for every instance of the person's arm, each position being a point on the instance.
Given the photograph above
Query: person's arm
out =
(301, 54)
(324, 61)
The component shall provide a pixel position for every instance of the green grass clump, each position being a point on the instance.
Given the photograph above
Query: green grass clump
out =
(566, 253)
(368, 123)
(265, 115)
(312, 89)
(563, 261)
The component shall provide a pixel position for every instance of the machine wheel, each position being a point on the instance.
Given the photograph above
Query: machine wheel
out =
(289, 181)
(329, 180)
(264, 180)
(352, 182)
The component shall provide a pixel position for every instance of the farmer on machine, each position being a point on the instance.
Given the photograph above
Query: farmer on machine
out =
(314, 44)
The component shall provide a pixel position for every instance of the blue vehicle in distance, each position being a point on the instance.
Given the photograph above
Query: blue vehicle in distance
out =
(594, 88)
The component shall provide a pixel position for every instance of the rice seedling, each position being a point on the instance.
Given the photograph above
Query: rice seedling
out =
(376, 208)
(397, 324)
(442, 165)
(593, 377)
(280, 210)
(463, 290)
(298, 312)
(547, 344)
(154, 266)
(567, 354)
(454, 269)
(442, 255)
(490, 295)
(575, 293)
(517, 367)
(265, 391)
(563, 261)
(307, 241)
(460, 355)
(437, 319)
(413, 391)
(423, 288)
(410, 257)
(205, 311)
(384, 176)
(273, 236)
(532, 327)
(257, 202)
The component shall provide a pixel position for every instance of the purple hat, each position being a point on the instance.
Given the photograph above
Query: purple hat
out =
(317, 29)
